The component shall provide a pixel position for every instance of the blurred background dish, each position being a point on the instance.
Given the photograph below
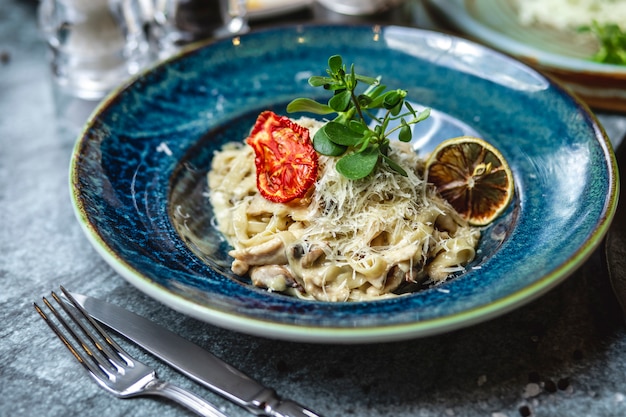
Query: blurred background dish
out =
(558, 53)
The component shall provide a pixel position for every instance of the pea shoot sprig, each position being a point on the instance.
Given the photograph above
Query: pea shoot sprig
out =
(362, 147)
(612, 40)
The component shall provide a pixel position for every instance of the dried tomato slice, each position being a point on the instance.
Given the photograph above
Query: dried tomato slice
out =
(286, 162)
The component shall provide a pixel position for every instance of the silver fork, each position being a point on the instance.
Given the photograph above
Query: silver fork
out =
(106, 362)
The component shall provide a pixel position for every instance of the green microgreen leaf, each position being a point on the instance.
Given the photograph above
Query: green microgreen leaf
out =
(393, 165)
(395, 110)
(325, 146)
(367, 139)
(391, 99)
(358, 127)
(364, 100)
(386, 100)
(335, 64)
(373, 85)
(410, 108)
(420, 117)
(345, 117)
(374, 94)
(308, 105)
(405, 134)
(335, 87)
(359, 165)
(339, 102)
(367, 80)
(350, 79)
(341, 134)
(317, 81)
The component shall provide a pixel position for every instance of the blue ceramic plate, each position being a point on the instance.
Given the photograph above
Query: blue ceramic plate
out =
(138, 176)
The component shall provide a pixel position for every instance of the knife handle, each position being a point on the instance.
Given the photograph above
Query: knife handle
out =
(268, 402)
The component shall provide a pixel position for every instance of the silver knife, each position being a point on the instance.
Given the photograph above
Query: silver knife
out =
(193, 361)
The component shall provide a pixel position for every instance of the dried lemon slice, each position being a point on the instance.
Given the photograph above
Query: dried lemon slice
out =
(473, 177)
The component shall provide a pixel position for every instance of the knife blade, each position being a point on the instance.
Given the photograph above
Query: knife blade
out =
(193, 361)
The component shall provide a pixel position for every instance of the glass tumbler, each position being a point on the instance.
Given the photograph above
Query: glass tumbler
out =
(180, 22)
(95, 44)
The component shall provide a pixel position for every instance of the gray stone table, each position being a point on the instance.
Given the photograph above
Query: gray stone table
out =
(563, 354)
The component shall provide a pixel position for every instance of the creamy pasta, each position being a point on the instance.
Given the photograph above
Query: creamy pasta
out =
(346, 240)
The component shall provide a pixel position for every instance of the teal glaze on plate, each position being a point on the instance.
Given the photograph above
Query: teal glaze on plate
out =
(138, 175)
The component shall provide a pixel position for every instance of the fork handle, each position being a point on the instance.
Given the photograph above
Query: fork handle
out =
(190, 400)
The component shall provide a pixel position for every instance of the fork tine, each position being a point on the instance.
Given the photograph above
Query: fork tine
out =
(97, 359)
(101, 332)
(110, 349)
(94, 368)
(57, 331)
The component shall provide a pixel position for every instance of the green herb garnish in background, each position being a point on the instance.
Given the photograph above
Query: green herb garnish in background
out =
(612, 41)
(361, 147)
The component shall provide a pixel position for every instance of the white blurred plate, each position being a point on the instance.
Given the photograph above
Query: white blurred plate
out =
(558, 53)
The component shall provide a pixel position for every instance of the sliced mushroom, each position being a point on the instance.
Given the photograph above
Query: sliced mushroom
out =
(272, 277)
(306, 256)
(412, 281)
(446, 223)
(395, 277)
